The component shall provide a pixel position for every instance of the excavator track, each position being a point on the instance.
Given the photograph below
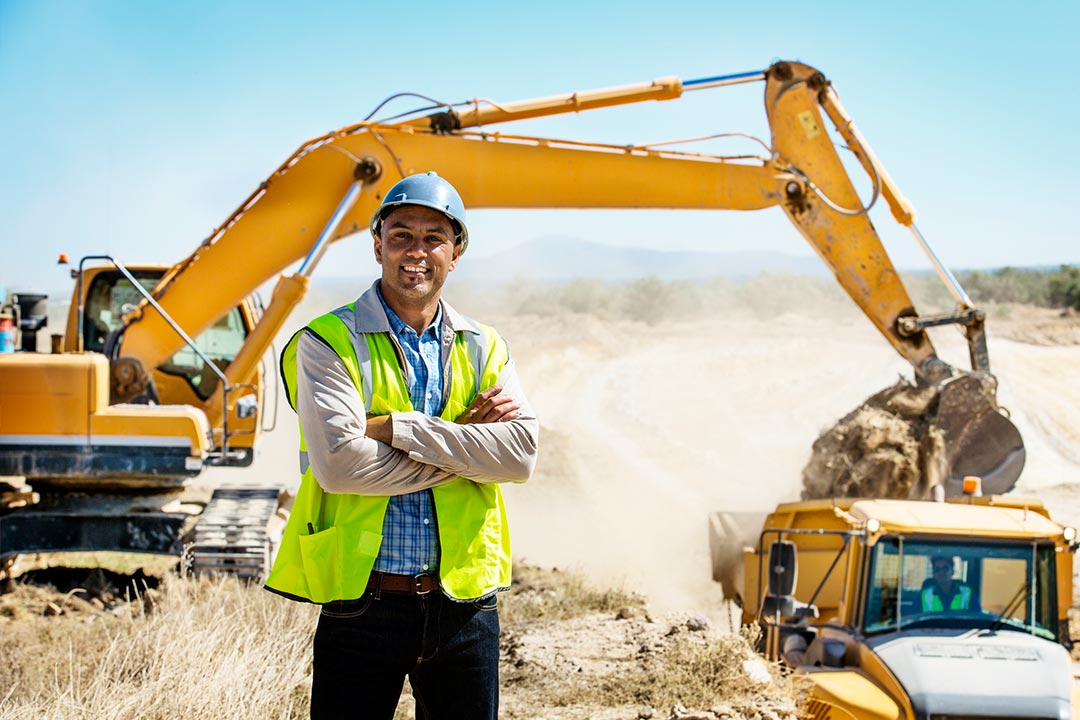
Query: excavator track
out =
(231, 536)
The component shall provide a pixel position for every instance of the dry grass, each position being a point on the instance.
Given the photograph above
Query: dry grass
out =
(551, 594)
(197, 649)
(726, 675)
(222, 649)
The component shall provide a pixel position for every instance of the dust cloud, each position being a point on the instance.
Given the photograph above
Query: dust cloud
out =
(651, 422)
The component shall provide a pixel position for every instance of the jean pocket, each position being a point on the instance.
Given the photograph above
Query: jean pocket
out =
(491, 602)
(345, 609)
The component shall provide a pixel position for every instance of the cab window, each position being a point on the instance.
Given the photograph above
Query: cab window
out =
(109, 298)
(962, 585)
(221, 342)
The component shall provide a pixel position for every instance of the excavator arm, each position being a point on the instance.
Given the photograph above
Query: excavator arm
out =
(329, 188)
(279, 223)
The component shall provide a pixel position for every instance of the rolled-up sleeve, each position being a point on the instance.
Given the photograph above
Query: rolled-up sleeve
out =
(482, 452)
(333, 420)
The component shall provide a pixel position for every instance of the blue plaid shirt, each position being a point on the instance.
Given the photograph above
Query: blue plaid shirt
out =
(410, 544)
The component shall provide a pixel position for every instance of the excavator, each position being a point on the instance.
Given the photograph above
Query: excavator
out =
(160, 373)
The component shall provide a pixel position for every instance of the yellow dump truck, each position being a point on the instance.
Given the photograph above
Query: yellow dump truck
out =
(915, 609)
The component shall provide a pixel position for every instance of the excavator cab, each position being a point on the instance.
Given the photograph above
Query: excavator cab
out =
(187, 377)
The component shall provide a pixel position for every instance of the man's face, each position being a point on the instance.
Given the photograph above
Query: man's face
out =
(942, 571)
(416, 249)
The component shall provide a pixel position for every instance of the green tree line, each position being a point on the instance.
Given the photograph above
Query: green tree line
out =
(1046, 288)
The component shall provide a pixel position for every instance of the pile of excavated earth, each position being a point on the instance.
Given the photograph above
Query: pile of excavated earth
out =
(888, 447)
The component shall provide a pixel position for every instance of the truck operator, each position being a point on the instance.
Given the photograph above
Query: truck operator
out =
(941, 591)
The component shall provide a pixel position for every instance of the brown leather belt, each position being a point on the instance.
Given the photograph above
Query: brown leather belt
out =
(412, 584)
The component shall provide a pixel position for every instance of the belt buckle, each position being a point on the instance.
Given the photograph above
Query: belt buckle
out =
(418, 581)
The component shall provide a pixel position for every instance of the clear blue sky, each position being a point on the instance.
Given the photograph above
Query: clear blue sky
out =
(136, 127)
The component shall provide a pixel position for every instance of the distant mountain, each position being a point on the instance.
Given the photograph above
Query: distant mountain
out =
(557, 259)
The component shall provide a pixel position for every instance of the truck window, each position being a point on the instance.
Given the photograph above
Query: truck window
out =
(962, 585)
(884, 591)
(1001, 577)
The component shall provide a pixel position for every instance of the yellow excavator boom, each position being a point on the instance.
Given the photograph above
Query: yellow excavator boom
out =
(279, 223)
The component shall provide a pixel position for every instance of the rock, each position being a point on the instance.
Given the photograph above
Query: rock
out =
(722, 711)
(628, 612)
(679, 712)
(757, 672)
(698, 623)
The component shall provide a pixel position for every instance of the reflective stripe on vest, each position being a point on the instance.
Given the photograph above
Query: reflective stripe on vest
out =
(331, 539)
(931, 601)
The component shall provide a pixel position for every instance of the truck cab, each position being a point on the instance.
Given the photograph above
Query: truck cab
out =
(917, 609)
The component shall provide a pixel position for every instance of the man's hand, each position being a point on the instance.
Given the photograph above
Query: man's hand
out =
(492, 405)
(381, 428)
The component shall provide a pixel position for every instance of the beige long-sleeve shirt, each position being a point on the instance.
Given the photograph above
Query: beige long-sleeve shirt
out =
(425, 451)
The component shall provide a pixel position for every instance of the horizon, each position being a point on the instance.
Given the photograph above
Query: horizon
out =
(814, 267)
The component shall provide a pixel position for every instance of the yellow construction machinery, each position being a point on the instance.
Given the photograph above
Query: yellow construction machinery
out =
(916, 609)
(158, 375)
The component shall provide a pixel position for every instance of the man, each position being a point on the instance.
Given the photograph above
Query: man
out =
(941, 592)
(410, 417)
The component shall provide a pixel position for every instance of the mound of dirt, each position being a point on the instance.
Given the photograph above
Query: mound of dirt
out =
(888, 447)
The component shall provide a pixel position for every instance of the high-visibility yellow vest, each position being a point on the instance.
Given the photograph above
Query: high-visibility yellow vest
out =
(331, 540)
(931, 602)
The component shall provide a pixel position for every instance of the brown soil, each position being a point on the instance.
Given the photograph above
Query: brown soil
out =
(888, 447)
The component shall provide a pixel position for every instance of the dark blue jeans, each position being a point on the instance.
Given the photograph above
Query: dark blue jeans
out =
(365, 648)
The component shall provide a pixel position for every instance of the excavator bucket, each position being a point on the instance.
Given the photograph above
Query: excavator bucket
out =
(906, 439)
(979, 439)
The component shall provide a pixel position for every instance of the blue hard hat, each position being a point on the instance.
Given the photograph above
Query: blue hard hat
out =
(429, 190)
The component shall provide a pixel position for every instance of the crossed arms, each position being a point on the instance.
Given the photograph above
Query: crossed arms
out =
(494, 440)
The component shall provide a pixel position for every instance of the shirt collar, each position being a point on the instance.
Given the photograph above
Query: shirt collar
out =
(398, 325)
(371, 317)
